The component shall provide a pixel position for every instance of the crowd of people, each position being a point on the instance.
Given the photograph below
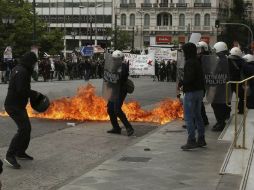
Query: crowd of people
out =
(165, 71)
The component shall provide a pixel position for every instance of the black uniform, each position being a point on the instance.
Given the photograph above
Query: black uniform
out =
(221, 110)
(248, 71)
(235, 71)
(19, 92)
(115, 107)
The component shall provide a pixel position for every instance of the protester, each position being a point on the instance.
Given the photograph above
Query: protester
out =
(19, 91)
(193, 87)
(114, 89)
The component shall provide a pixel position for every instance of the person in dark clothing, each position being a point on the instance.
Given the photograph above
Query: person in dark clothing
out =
(203, 49)
(114, 107)
(235, 70)
(19, 91)
(220, 108)
(248, 71)
(193, 87)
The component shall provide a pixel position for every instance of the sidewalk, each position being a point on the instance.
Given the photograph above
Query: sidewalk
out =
(164, 167)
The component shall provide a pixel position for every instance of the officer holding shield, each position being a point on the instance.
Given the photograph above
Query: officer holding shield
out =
(116, 73)
(216, 72)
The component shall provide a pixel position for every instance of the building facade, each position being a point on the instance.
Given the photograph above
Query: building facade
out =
(157, 22)
(84, 22)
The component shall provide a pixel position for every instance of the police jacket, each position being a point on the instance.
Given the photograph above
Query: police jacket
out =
(235, 67)
(193, 79)
(248, 71)
(19, 90)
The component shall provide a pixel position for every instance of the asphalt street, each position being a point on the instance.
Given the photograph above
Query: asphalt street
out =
(62, 152)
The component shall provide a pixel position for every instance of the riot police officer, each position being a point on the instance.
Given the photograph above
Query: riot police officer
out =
(221, 110)
(116, 73)
(236, 63)
(248, 71)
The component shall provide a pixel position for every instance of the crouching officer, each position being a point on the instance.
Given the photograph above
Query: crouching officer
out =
(19, 91)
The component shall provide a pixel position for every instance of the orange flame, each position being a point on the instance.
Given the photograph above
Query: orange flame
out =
(87, 106)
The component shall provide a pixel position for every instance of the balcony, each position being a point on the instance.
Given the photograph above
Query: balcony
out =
(202, 5)
(181, 28)
(207, 28)
(122, 27)
(163, 28)
(127, 5)
(181, 5)
(196, 28)
(146, 5)
(163, 4)
(155, 5)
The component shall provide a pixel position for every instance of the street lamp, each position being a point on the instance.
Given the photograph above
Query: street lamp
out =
(141, 12)
(34, 22)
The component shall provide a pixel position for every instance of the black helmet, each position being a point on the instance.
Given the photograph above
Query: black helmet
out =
(40, 103)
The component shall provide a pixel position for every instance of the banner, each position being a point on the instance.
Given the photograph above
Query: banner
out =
(141, 64)
(162, 54)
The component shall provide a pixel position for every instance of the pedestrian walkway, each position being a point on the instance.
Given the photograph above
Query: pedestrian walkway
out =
(157, 163)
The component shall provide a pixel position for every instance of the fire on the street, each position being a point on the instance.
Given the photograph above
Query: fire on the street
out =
(86, 106)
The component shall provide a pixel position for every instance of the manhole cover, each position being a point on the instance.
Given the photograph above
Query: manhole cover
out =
(134, 159)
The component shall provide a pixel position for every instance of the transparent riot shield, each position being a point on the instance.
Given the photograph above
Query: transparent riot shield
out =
(111, 76)
(216, 75)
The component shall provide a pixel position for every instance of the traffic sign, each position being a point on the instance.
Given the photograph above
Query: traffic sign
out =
(87, 51)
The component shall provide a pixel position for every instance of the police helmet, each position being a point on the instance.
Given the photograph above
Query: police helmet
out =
(248, 58)
(236, 51)
(203, 44)
(117, 54)
(220, 47)
(40, 103)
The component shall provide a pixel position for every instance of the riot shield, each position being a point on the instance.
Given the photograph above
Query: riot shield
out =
(216, 75)
(111, 76)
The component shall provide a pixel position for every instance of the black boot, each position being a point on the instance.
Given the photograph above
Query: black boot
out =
(201, 141)
(11, 160)
(191, 144)
(130, 131)
(24, 156)
(219, 127)
(115, 131)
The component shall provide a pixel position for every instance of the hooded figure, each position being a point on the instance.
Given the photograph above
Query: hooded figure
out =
(19, 91)
(193, 87)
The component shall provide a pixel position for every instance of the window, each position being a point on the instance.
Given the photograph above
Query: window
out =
(147, 20)
(198, 1)
(146, 1)
(181, 1)
(132, 20)
(164, 1)
(123, 1)
(207, 1)
(207, 20)
(132, 1)
(181, 20)
(123, 20)
(197, 20)
(164, 19)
